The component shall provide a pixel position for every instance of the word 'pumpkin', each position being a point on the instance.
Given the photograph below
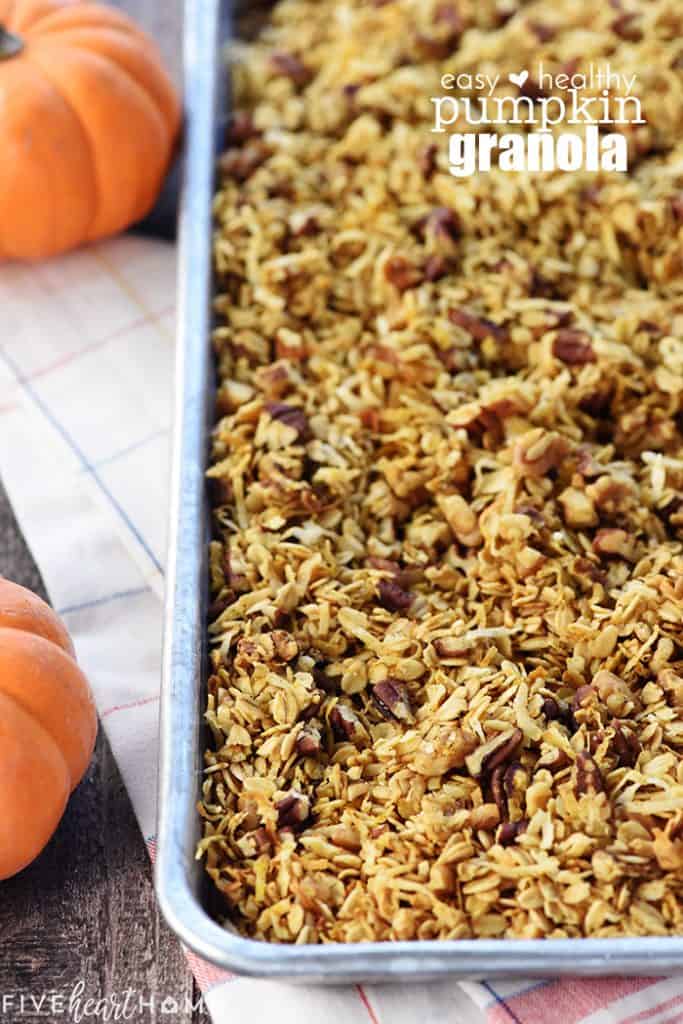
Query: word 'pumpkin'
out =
(88, 120)
(48, 725)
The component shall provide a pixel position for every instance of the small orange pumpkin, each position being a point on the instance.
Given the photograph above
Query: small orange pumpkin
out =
(88, 121)
(48, 725)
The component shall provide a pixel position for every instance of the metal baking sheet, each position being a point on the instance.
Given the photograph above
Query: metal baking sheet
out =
(183, 889)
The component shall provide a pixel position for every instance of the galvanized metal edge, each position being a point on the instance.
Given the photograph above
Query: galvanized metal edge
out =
(179, 878)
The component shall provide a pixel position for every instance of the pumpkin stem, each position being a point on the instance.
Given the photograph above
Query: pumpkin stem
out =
(10, 44)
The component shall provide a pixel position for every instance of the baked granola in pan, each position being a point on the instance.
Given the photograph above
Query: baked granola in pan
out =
(447, 479)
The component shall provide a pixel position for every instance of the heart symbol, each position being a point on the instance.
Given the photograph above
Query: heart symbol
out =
(519, 79)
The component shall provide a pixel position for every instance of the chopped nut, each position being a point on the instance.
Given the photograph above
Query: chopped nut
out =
(499, 749)
(509, 831)
(478, 326)
(393, 597)
(290, 66)
(538, 451)
(435, 268)
(309, 741)
(291, 416)
(402, 273)
(614, 692)
(544, 33)
(293, 811)
(241, 163)
(428, 161)
(579, 511)
(345, 723)
(625, 745)
(286, 647)
(672, 684)
(274, 380)
(442, 223)
(391, 697)
(626, 27)
(241, 127)
(445, 749)
(613, 543)
(588, 778)
(573, 347)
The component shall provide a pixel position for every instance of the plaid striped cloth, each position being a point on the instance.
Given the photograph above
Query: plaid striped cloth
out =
(86, 359)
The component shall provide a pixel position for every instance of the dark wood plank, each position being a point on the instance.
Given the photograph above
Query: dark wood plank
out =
(84, 913)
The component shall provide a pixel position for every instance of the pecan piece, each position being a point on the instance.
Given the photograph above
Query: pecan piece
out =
(293, 811)
(427, 161)
(442, 222)
(625, 745)
(510, 830)
(627, 28)
(345, 723)
(614, 692)
(498, 791)
(391, 697)
(261, 840)
(241, 127)
(291, 416)
(552, 709)
(393, 597)
(613, 543)
(539, 451)
(532, 89)
(286, 647)
(402, 273)
(274, 379)
(544, 33)
(450, 26)
(309, 741)
(479, 327)
(573, 347)
(553, 758)
(516, 778)
(578, 508)
(435, 268)
(588, 777)
(494, 752)
(649, 326)
(240, 163)
(449, 647)
(290, 66)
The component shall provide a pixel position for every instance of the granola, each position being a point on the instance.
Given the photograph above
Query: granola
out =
(446, 697)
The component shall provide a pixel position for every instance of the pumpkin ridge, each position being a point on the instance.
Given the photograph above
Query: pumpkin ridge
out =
(85, 15)
(94, 182)
(26, 16)
(34, 787)
(8, 16)
(21, 609)
(166, 105)
(35, 166)
(139, 197)
(19, 708)
(50, 687)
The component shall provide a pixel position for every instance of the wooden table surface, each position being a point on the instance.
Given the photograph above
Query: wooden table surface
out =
(85, 913)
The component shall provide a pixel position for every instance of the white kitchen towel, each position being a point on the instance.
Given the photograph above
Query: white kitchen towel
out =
(86, 364)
